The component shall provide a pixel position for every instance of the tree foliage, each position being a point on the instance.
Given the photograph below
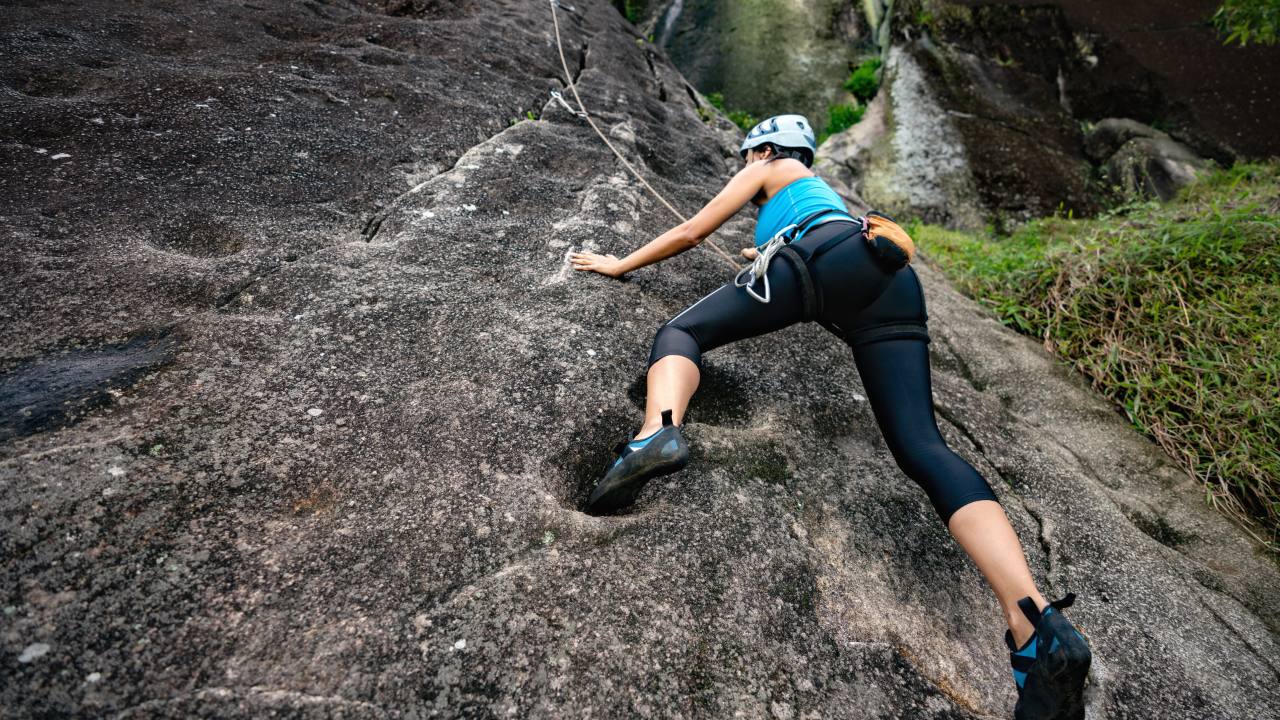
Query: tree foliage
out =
(1248, 20)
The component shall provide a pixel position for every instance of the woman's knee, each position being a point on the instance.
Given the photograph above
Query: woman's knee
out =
(948, 480)
(675, 339)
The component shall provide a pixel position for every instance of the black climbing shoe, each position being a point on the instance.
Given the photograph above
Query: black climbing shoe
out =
(1051, 668)
(660, 454)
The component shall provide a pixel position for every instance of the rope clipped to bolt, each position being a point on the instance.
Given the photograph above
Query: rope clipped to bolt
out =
(582, 113)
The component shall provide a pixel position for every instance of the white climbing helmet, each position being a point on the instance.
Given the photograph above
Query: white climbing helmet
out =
(787, 133)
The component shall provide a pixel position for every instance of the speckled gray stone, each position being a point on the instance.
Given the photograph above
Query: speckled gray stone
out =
(204, 544)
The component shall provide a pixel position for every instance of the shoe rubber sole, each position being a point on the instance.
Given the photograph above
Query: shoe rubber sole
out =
(1054, 689)
(665, 454)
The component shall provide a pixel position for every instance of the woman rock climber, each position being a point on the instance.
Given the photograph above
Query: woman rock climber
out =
(852, 276)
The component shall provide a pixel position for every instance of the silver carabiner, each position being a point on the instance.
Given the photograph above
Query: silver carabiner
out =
(556, 94)
(759, 268)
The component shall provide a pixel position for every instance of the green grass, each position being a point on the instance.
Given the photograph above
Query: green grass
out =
(1170, 310)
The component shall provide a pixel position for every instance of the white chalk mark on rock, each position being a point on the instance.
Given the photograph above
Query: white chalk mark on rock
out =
(315, 412)
(93, 677)
(460, 645)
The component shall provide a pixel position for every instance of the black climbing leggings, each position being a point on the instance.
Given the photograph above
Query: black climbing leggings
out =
(880, 314)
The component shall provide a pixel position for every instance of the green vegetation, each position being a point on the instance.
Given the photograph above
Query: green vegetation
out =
(1170, 310)
(1246, 20)
(741, 118)
(633, 10)
(841, 117)
(862, 81)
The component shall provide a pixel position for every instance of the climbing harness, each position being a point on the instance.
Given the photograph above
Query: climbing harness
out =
(582, 113)
(781, 244)
(888, 241)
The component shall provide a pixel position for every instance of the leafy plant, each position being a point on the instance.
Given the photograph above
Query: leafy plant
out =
(634, 10)
(741, 118)
(1247, 20)
(840, 118)
(862, 81)
(1169, 310)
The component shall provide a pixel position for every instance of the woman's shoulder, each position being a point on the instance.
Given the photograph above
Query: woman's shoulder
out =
(783, 177)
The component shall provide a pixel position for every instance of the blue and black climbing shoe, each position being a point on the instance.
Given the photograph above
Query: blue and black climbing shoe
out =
(639, 461)
(1050, 669)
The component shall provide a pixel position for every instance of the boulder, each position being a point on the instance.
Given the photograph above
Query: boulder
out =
(844, 158)
(909, 158)
(1107, 136)
(335, 399)
(1153, 167)
(975, 131)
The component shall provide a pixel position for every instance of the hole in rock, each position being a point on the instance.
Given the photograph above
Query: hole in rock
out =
(61, 386)
(577, 469)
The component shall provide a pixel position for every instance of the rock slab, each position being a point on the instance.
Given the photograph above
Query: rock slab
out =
(354, 488)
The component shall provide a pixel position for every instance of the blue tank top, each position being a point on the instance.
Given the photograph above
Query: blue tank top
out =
(794, 203)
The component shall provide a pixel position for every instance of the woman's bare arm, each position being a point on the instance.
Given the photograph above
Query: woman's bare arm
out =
(744, 186)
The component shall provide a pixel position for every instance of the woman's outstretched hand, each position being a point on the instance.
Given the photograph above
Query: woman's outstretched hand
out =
(750, 253)
(603, 264)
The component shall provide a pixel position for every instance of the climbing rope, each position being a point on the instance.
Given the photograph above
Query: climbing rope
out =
(582, 113)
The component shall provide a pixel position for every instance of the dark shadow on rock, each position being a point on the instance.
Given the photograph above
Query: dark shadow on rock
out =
(577, 469)
(721, 399)
(200, 237)
(1158, 529)
(60, 387)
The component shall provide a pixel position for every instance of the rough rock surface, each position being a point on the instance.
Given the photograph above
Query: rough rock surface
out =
(768, 57)
(847, 154)
(1107, 136)
(918, 165)
(1153, 168)
(340, 473)
(1159, 61)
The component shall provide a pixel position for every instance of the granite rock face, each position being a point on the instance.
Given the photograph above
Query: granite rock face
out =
(349, 399)
(768, 57)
